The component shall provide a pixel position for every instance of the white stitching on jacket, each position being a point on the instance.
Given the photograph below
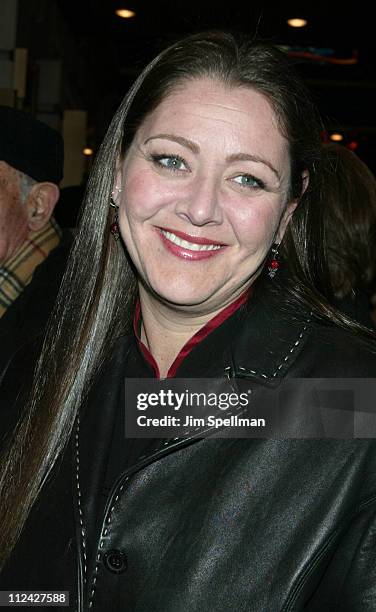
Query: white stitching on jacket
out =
(293, 348)
(255, 373)
(285, 359)
(101, 541)
(79, 500)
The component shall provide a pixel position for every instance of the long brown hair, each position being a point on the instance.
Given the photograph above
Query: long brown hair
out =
(94, 305)
(350, 222)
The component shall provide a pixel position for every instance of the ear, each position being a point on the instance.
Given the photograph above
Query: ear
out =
(40, 204)
(285, 220)
(289, 210)
(118, 182)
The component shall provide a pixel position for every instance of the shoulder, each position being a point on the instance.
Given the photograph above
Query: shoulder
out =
(51, 270)
(331, 351)
(280, 337)
(27, 317)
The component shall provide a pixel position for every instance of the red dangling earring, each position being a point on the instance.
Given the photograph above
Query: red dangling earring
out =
(114, 227)
(274, 263)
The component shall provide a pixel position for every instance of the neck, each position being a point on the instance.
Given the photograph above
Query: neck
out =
(165, 330)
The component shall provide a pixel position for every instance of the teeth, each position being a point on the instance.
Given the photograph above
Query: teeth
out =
(190, 245)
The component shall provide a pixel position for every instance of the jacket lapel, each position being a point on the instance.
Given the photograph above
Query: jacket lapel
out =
(93, 441)
(272, 337)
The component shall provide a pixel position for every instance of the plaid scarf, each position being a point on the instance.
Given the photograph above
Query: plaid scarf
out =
(18, 270)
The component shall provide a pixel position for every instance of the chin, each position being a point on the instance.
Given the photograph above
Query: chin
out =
(181, 296)
(180, 300)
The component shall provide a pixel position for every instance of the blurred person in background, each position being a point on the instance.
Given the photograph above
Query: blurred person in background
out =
(33, 249)
(349, 219)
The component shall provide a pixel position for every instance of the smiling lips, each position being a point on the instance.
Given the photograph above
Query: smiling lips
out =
(189, 247)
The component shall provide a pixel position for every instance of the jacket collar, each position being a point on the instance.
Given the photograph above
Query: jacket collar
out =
(259, 340)
(273, 333)
(270, 334)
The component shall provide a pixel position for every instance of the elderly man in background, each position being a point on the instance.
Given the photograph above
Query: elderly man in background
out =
(33, 249)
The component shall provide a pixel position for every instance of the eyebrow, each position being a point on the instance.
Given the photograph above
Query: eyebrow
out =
(231, 158)
(179, 139)
(255, 158)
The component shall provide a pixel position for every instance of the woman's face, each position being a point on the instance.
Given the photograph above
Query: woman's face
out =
(205, 186)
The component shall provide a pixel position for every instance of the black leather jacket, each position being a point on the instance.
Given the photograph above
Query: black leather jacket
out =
(224, 525)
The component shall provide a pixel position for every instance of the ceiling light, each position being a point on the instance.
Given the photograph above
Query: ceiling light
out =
(87, 151)
(125, 13)
(297, 22)
(336, 137)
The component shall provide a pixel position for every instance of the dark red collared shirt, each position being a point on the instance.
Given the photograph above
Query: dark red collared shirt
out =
(196, 339)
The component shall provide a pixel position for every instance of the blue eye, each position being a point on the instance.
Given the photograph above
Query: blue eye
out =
(247, 180)
(170, 162)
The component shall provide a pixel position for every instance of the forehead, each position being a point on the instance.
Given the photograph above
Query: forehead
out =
(208, 108)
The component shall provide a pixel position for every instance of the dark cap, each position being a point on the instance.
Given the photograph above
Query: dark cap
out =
(31, 146)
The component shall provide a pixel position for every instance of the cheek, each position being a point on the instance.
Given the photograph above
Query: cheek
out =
(256, 224)
(145, 195)
(12, 215)
(136, 201)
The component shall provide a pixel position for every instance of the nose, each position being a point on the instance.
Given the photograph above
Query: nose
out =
(201, 205)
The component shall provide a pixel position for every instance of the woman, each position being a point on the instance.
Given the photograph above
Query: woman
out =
(212, 160)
